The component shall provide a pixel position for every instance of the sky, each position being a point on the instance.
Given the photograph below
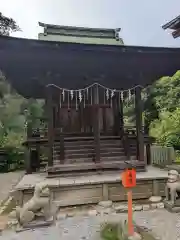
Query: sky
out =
(140, 21)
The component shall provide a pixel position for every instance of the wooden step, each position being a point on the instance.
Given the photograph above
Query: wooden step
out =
(85, 150)
(85, 157)
(87, 167)
(92, 154)
(75, 147)
(91, 146)
(79, 160)
(90, 138)
(103, 159)
(83, 143)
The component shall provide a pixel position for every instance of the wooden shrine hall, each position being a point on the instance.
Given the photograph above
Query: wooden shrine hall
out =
(85, 87)
(86, 129)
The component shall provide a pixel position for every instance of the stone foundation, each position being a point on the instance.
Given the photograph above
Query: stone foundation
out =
(93, 189)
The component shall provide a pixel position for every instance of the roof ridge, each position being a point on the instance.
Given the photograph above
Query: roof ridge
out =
(79, 28)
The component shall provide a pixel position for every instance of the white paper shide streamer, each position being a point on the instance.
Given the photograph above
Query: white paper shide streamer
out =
(85, 95)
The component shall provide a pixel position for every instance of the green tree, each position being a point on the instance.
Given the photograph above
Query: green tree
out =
(166, 92)
(166, 129)
(13, 119)
(164, 114)
(7, 25)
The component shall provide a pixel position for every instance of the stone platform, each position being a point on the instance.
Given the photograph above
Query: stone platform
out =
(92, 189)
(172, 208)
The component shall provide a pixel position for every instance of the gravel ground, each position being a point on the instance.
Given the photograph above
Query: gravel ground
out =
(164, 225)
(7, 182)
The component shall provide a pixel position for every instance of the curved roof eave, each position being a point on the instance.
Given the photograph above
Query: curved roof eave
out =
(31, 64)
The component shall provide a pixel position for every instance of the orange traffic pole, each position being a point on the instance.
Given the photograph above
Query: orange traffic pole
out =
(130, 213)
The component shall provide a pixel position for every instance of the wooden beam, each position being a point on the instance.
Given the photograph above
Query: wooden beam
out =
(96, 129)
(140, 135)
(50, 125)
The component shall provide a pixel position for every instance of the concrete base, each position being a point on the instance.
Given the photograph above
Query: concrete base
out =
(172, 208)
(92, 189)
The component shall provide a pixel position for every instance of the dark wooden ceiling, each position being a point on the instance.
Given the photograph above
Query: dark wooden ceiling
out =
(31, 64)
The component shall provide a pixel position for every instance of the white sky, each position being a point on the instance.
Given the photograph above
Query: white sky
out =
(140, 20)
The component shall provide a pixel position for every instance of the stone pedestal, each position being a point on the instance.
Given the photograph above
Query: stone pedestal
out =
(174, 208)
(37, 223)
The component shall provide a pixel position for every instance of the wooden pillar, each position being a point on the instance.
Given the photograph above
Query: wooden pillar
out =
(50, 125)
(28, 160)
(115, 117)
(121, 115)
(46, 115)
(104, 120)
(62, 151)
(58, 124)
(96, 129)
(118, 116)
(27, 156)
(60, 131)
(139, 131)
(81, 117)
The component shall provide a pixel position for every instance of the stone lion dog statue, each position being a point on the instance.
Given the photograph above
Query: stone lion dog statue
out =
(172, 189)
(38, 205)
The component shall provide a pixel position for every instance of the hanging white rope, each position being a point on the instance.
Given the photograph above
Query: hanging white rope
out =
(92, 85)
(84, 93)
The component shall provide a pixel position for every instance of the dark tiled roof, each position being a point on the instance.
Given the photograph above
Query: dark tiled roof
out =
(31, 64)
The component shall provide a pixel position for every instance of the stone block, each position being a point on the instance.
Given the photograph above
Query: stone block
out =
(146, 207)
(105, 204)
(171, 208)
(137, 208)
(121, 208)
(155, 199)
(107, 211)
(153, 205)
(160, 205)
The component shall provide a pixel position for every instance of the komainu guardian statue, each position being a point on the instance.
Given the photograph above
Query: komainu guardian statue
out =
(172, 191)
(38, 206)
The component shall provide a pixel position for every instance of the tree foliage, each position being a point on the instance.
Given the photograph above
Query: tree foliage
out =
(161, 110)
(15, 112)
(165, 124)
(166, 129)
(7, 25)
